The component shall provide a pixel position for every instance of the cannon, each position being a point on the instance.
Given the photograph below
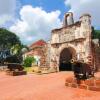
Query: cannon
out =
(82, 71)
(15, 69)
(14, 66)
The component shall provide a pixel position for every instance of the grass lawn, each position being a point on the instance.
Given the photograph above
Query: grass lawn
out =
(31, 69)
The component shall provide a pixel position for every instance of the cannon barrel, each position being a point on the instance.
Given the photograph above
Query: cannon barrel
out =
(14, 66)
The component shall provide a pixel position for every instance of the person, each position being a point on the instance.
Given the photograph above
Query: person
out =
(37, 59)
(38, 62)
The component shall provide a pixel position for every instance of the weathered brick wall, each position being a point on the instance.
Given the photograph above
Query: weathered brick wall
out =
(43, 56)
(39, 51)
(97, 58)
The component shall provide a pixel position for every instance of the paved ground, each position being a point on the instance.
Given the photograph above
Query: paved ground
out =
(42, 87)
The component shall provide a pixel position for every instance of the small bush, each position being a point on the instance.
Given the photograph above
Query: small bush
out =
(28, 61)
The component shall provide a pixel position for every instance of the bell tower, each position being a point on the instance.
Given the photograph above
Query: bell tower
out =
(68, 19)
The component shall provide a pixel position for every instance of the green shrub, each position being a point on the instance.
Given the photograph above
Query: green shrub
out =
(28, 61)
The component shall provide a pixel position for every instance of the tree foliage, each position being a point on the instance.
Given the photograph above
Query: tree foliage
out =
(8, 39)
(95, 34)
(28, 61)
(9, 42)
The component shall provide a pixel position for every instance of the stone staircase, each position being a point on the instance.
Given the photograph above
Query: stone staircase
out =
(45, 69)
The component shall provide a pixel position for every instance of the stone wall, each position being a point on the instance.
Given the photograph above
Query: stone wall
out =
(76, 36)
(97, 58)
(44, 56)
(40, 51)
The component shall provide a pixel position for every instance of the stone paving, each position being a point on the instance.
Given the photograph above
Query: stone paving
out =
(42, 87)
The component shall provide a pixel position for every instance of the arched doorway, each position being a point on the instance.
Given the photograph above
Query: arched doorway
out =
(65, 59)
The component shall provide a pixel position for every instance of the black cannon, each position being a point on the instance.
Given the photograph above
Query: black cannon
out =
(15, 69)
(15, 66)
(82, 71)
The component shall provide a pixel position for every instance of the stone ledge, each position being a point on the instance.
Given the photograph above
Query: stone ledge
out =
(89, 84)
(93, 88)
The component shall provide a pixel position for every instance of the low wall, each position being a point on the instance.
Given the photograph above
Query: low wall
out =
(89, 84)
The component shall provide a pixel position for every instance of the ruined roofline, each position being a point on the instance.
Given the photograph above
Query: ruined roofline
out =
(68, 19)
(78, 23)
(67, 13)
(40, 42)
(86, 14)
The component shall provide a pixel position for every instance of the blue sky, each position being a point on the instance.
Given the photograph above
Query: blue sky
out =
(48, 5)
(32, 20)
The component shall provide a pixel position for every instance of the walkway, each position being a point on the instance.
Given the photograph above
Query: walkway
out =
(42, 87)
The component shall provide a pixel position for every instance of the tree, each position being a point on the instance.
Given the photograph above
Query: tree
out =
(8, 39)
(95, 33)
(17, 50)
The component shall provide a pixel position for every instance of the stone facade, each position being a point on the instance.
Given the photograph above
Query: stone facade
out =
(75, 38)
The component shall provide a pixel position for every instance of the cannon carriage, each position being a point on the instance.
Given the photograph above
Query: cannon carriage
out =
(15, 69)
(82, 70)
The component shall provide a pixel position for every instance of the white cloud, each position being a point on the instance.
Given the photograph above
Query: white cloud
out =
(35, 23)
(80, 7)
(7, 10)
(67, 2)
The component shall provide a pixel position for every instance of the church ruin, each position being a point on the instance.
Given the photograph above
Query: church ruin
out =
(71, 42)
